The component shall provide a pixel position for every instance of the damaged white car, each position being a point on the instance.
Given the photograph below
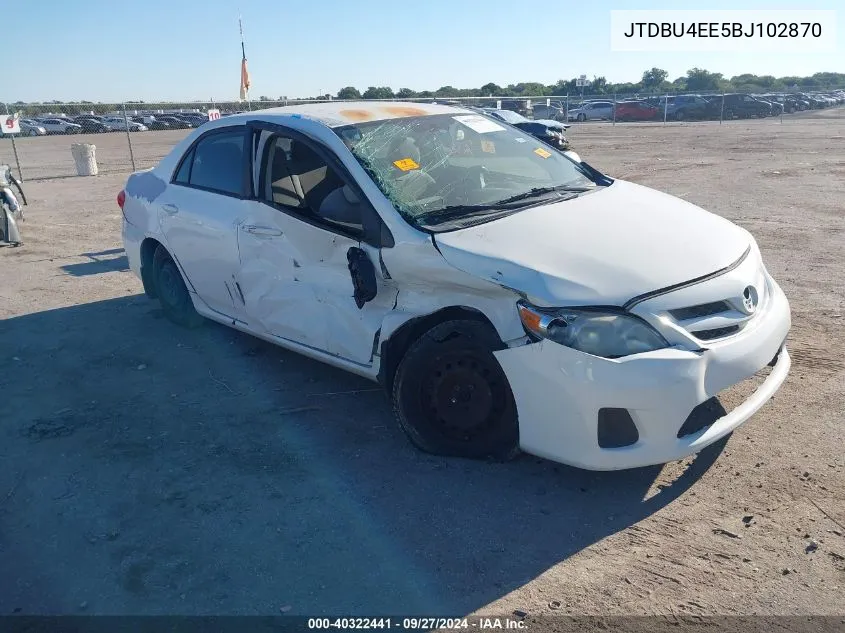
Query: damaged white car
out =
(507, 296)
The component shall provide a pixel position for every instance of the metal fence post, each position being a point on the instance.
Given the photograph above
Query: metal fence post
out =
(722, 111)
(14, 146)
(614, 108)
(567, 107)
(665, 108)
(128, 138)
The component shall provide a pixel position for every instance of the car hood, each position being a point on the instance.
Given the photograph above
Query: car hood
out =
(553, 124)
(602, 248)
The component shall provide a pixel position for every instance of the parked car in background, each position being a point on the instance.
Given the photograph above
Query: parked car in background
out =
(507, 299)
(592, 110)
(175, 123)
(636, 111)
(194, 119)
(59, 126)
(31, 128)
(91, 124)
(743, 106)
(686, 107)
(118, 123)
(152, 123)
(556, 111)
(776, 109)
(547, 130)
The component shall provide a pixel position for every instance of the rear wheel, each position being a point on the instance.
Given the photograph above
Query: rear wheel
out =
(451, 396)
(172, 292)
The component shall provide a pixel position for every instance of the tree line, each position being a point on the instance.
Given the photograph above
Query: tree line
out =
(654, 80)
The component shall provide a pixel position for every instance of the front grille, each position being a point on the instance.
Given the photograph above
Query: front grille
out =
(699, 311)
(718, 332)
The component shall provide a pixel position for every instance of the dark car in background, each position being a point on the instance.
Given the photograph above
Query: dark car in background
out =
(549, 131)
(743, 106)
(637, 110)
(175, 123)
(91, 124)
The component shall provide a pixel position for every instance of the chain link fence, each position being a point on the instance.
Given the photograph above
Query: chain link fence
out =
(136, 135)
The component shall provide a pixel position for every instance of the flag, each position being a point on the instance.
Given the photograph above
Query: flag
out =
(244, 80)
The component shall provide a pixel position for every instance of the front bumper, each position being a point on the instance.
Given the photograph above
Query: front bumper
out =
(559, 392)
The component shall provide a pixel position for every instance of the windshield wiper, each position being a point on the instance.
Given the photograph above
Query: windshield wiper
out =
(501, 207)
(541, 191)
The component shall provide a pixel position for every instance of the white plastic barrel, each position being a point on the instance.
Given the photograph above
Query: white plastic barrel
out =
(84, 155)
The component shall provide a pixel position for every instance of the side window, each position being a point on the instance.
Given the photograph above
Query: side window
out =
(298, 177)
(218, 163)
(184, 169)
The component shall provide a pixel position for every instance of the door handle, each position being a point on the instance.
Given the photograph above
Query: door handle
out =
(266, 231)
(170, 208)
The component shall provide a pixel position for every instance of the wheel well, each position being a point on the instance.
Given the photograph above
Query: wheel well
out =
(148, 249)
(394, 348)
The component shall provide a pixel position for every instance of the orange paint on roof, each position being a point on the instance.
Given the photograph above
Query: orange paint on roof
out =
(404, 111)
(356, 115)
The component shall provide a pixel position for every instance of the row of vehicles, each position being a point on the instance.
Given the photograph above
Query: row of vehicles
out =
(697, 107)
(94, 124)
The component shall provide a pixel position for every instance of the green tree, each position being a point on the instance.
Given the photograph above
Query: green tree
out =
(350, 92)
(599, 86)
(653, 79)
(264, 98)
(490, 90)
(700, 80)
(447, 91)
(380, 92)
(405, 93)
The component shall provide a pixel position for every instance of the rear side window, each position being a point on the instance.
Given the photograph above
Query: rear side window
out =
(216, 163)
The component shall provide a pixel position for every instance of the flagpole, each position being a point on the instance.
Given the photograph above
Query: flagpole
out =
(243, 61)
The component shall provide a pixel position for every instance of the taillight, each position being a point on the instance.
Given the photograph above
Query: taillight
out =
(121, 198)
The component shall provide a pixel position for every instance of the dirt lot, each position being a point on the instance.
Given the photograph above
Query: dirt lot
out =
(149, 469)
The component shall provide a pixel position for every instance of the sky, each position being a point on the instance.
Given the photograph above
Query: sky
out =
(190, 49)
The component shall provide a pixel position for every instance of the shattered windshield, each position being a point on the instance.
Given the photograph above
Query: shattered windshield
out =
(444, 169)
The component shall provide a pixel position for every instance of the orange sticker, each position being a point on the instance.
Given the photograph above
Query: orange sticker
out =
(406, 164)
(541, 152)
(488, 146)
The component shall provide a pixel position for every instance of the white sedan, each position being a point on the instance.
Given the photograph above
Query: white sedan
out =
(119, 124)
(506, 296)
(59, 126)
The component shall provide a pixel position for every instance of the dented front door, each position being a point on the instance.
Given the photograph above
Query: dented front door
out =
(296, 284)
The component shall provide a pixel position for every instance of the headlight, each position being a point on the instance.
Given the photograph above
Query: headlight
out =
(593, 331)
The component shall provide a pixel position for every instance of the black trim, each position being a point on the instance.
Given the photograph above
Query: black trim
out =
(662, 291)
(381, 237)
(246, 177)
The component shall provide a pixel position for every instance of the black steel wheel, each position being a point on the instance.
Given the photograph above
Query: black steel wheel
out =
(451, 396)
(172, 293)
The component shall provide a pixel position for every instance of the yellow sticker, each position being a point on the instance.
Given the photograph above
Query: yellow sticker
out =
(541, 152)
(406, 164)
(488, 146)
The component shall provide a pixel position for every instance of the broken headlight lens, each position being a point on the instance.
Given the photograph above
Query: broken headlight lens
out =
(593, 331)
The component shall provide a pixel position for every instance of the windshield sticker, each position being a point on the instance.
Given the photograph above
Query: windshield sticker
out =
(406, 164)
(541, 152)
(478, 123)
(488, 146)
(519, 139)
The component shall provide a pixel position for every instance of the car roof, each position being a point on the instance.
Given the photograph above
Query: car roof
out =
(340, 113)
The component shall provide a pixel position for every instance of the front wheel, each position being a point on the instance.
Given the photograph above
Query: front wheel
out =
(452, 398)
(581, 117)
(172, 292)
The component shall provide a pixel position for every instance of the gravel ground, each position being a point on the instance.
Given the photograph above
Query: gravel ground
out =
(147, 469)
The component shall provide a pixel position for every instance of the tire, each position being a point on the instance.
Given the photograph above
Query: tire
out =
(679, 115)
(452, 398)
(172, 293)
(33, 133)
(581, 117)
(729, 114)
